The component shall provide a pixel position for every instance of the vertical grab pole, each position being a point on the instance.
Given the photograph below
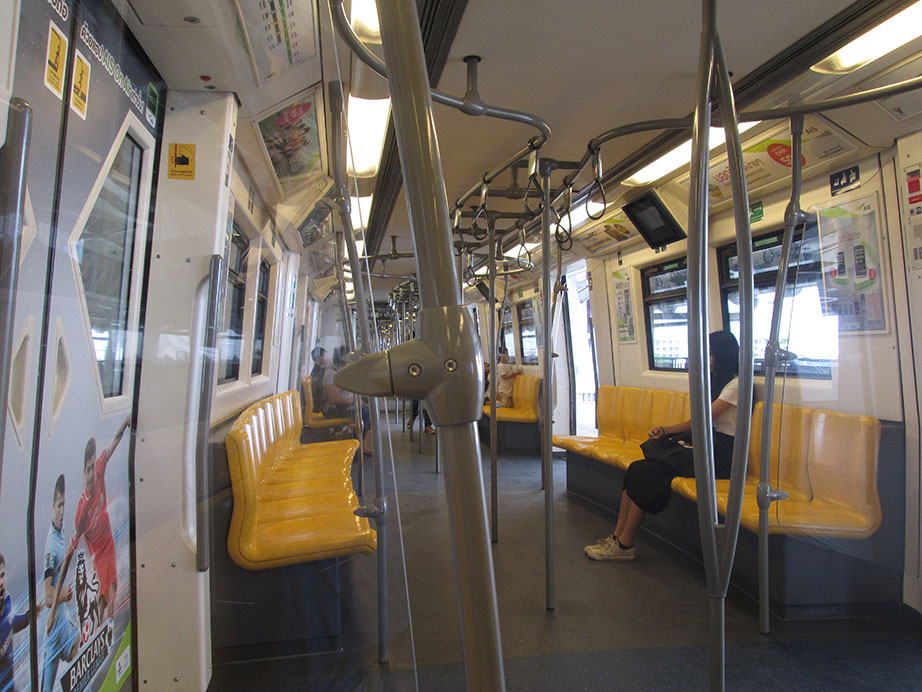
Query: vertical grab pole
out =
(547, 422)
(793, 216)
(13, 168)
(206, 397)
(379, 512)
(440, 302)
(698, 380)
(494, 491)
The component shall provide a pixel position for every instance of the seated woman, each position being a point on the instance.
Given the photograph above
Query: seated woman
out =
(340, 404)
(506, 374)
(647, 483)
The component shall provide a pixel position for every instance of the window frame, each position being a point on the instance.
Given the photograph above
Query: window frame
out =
(519, 307)
(762, 280)
(650, 299)
(262, 297)
(501, 341)
(236, 280)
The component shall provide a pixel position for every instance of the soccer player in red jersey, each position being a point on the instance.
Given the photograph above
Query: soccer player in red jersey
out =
(92, 523)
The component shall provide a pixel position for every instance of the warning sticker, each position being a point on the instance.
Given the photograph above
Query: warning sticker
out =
(56, 60)
(80, 93)
(182, 162)
(913, 236)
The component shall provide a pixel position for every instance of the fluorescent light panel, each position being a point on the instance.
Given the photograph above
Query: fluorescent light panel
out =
(884, 38)
(363, 16)
(361, 208)
(367, 123)
(678, 157)
(515, 251)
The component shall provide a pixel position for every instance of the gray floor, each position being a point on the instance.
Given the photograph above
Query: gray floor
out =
(640, 625)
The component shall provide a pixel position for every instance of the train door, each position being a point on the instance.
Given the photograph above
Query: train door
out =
(68, 448)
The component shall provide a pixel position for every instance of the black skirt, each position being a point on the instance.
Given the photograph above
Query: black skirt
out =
(648, 482)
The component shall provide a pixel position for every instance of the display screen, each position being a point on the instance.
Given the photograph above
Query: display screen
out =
(653, 220)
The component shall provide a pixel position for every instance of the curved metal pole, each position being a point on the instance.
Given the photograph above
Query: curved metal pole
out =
(464, 105)
(746, 290)
(547, 422)
(379, 511)
(698, 352)
(349, 336)
(774, 354)
(494, 491)
(446, 331)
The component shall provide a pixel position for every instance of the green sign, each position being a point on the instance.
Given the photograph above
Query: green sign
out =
(756, 212)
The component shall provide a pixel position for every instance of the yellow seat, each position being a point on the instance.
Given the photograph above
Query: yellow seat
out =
(524, 409)
(825, 461)
(315, 419)
(292, 502)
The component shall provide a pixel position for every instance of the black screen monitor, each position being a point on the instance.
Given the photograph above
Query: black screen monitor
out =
(653, 220)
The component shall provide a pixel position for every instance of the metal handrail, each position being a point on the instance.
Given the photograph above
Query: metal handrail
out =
(465, 105)
(765, 495)
(203, 425)
(14, 158)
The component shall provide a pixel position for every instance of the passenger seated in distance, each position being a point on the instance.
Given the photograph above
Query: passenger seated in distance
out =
(647, 482)
(340, 404)
(319, 356)
(506, 379)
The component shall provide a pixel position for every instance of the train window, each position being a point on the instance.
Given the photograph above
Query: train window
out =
(507, 334)
(235, 300)
(805, 328)
(666, 306)
(104, 250)
(528, 335)
(259, 329)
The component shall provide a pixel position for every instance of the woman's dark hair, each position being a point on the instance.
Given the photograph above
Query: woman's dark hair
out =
(725, 350)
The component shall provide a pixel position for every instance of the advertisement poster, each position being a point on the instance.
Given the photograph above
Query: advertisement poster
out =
(850, 251)
(624, 310)
(604, 236)
(292, 140)
(82, 511)
(769, 160)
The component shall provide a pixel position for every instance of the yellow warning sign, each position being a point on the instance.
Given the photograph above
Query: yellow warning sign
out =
(56, 60)
(80, 94)
(181, 165)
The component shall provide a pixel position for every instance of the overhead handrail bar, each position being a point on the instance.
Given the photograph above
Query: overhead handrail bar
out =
(378, 511)
(14, 157)
(469, 105)
(718, 541)
(443, 365)
(489, 177)
(780, 113)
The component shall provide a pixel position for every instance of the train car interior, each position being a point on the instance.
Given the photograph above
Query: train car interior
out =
(460, 345)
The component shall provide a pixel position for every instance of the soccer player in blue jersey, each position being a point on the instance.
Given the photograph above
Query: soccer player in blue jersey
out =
(62, 641)
(10, 623)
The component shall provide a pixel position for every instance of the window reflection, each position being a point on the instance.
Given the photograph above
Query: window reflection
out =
(104, 253)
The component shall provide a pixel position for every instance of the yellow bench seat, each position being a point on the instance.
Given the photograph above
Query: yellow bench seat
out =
(315, 419)
(292, 502)
(524, 407)
(826, 461)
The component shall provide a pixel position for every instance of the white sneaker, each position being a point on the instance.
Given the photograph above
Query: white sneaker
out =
(600, 542)
(612, 551)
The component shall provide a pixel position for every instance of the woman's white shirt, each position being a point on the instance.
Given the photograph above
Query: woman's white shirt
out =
(726, 421)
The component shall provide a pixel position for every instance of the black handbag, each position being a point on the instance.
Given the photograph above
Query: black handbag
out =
(673, 450)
